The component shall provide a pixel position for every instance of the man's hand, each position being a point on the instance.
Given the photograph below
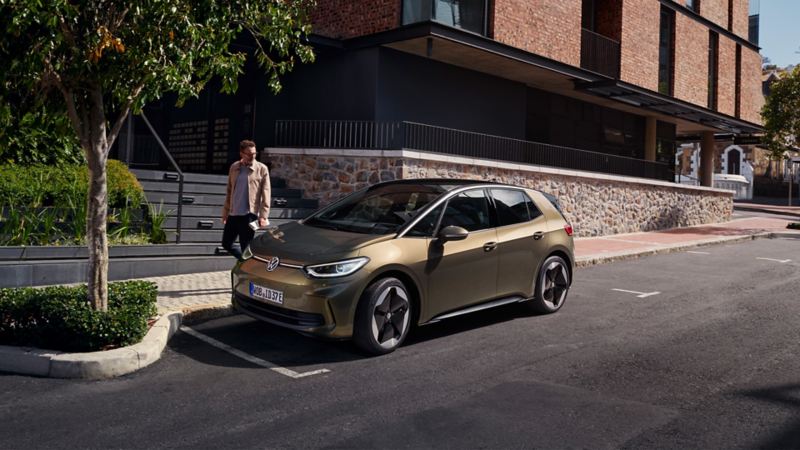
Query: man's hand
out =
(224, 219)
(262, 222)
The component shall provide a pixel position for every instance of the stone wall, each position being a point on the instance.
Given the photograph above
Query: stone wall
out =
(595, 204)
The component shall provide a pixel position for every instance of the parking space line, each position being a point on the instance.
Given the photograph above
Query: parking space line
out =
(250, 358)
(782, 261)
(639, 294)
(697, 253)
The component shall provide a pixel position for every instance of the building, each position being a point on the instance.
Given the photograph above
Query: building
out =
(608, 86)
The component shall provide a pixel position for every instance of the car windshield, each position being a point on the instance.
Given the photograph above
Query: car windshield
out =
(383, 209)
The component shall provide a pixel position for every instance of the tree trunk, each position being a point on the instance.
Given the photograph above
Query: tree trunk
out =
(97, 206)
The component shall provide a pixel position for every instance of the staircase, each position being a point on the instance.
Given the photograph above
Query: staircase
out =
(203, 197)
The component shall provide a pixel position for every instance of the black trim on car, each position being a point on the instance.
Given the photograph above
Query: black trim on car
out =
(278, 315)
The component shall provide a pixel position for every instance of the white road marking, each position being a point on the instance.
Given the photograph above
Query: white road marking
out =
(250, 358)
(640, 294)
(782, 261)
(698, 253)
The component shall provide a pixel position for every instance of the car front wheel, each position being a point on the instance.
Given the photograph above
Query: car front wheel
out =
(552, 286)
(383, 317)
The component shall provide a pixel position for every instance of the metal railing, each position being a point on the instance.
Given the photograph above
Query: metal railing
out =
(416, 136)
(180, 176)
(599, 54)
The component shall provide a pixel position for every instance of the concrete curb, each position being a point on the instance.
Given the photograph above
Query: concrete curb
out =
(111, 363)
(92, 365)
(746, 207)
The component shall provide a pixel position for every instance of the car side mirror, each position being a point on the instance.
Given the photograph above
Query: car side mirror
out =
(452, 233)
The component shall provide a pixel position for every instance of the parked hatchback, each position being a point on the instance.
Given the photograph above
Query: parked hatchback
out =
(408, 252)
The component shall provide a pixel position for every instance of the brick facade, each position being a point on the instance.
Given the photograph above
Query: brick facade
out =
(715, 11)
(343, 19)
(691, 61)
(550, 29)
(639, 43)
(741, 23)
(752, 97)
(726, 87)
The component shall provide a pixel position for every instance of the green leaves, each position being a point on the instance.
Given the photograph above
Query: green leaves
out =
(781, 114)
(139, 50)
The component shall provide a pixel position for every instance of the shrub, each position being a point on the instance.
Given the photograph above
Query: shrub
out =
(61, 318)
(38, 185)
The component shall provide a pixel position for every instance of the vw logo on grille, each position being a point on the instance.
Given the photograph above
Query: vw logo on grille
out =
(272, 264)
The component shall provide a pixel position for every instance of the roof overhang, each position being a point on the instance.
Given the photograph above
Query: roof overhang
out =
(476, 52)
(643, 98)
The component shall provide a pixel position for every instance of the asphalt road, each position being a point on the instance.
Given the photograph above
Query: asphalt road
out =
(702, 353)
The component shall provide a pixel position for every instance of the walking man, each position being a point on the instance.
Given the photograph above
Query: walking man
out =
(247, 199)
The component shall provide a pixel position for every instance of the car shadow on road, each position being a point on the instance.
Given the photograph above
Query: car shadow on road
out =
(288, 348)
(261, 340)
(465, 323)
(784, 396)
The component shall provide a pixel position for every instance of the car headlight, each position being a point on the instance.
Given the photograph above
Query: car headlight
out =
(247, 253)
(336, 269)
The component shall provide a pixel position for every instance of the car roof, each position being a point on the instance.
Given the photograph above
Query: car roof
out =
(447, 183)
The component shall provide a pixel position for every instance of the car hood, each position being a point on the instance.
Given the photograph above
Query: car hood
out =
(309, 245)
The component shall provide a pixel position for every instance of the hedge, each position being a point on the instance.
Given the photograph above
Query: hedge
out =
(61, 318)
(67, 185)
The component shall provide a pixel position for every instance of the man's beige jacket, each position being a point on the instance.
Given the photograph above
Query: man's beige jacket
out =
(259, 188)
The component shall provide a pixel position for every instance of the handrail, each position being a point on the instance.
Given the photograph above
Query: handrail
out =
(180, 176)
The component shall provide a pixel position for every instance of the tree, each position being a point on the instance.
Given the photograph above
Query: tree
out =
(781, 114)
(105, 58)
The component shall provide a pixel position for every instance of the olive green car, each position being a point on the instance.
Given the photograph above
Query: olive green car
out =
(407, 253)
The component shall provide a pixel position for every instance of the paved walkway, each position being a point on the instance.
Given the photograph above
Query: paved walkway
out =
(212, 289)
(791, 211)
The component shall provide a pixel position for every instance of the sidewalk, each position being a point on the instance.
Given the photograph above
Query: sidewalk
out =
(211, 291)
(791, 211)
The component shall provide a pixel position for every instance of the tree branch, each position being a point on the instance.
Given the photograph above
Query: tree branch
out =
(112, 136)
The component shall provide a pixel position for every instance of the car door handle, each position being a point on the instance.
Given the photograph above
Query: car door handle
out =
(538, 235)
(489, 246)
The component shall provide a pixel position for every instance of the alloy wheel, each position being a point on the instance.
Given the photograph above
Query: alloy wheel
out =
(555, 284)
(390, 317)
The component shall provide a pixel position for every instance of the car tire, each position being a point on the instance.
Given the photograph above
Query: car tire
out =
(383, 317)
(552, 286)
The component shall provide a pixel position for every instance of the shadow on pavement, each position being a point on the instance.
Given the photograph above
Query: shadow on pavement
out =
(290, 349)
(788, 396)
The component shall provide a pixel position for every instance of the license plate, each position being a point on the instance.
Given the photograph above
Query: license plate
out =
(265, 293)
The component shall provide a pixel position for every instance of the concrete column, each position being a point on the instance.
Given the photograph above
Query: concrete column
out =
(707, 150)
(650, 139)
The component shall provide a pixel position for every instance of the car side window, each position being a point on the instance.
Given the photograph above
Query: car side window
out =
(469, 210)
(533, 210)
(511, 206)
(426, 225)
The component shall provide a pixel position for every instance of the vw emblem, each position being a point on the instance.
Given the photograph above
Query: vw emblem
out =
(272, 264)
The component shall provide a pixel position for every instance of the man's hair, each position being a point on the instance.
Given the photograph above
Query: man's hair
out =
(246, 144)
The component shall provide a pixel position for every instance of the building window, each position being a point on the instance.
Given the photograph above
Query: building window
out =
(713, 68)
(730, 15)
(665, 51)
(468, 15)
(694, 5)
(738, 82)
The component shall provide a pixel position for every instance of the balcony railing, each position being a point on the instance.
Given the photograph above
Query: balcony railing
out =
(599, 54)
(364, 135)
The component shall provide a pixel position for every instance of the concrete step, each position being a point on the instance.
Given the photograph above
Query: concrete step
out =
(216, 211)
(64, 271)
(280, 198)
(34, 253)
(206, 189)
(208, 236)
(202, 178)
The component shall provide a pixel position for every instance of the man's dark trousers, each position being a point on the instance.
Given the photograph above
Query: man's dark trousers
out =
(238, 226)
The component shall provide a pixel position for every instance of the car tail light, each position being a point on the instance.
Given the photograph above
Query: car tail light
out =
(568, 229)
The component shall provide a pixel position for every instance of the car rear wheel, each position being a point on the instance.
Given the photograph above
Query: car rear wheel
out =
(383, 317)
(552, 286)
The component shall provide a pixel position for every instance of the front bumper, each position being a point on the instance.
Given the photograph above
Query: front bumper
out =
(323, 307)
